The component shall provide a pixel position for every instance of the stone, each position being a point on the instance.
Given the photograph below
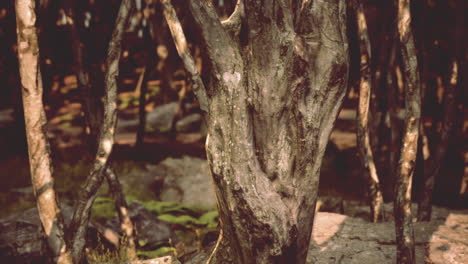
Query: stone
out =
(160, 119)
(338, 238)
(190, 123)
(186, 180)
(148, 227)
(22, 239)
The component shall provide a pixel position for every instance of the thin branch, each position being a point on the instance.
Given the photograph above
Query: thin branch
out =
(38, 145)
(184, 53)
(375, 193)
(126, 225)
(234, 22)
(106, 137)
(402, 206)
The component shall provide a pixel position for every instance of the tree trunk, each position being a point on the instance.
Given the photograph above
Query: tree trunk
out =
(365, 150)
(277, 79)
(38, 145)
(402, 209)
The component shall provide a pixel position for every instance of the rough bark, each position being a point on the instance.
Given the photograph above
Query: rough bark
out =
(273, 96)
(93, 120)
(403, 216)
(38, 146)
(365, 150)
(106, 136)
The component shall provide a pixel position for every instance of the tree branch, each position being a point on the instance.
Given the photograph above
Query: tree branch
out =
(222, 51)
(234, 22)
(106, 136)
(182, 49)
(402, 206)
(367, 157)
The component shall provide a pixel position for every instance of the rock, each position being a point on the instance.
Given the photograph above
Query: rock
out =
(186, 180)
(362, 210)
(22, 239)
(138, 183)
(342, 239)
(190, 123)
(160, 119)
(148, 228)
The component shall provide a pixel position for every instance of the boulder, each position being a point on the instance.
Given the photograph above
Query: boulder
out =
(186, 180)
(190, 123)
(149, 229)
(22, 239)
(342, 239)
(160, 119)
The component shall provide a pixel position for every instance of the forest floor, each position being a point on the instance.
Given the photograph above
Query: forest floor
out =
(342, 185)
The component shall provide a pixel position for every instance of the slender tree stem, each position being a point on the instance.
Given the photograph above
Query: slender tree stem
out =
(106, 136)
(38, 145)
(402, 207)
(184, 53)
(374, 192)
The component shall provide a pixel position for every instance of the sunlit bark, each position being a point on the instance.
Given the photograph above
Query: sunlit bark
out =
(38, 145)
(365, 150)
(402, 207)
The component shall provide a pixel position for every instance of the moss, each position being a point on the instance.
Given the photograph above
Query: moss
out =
(103, 209)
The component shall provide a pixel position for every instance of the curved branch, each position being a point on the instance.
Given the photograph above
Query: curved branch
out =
(402, 205)
(182, 49)
(234, 22)
(220, 48)
(375, 193)
(106, 136)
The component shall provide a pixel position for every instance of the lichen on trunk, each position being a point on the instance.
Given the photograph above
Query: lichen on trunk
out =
(274, 91)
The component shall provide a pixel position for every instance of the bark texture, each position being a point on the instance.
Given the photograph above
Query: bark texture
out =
(38, 145)
(93, 117)
(365, 150)
(403, 216)
(106, 136)
(276, 84)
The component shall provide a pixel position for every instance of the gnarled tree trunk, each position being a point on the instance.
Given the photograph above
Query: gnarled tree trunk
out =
(277, 79)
